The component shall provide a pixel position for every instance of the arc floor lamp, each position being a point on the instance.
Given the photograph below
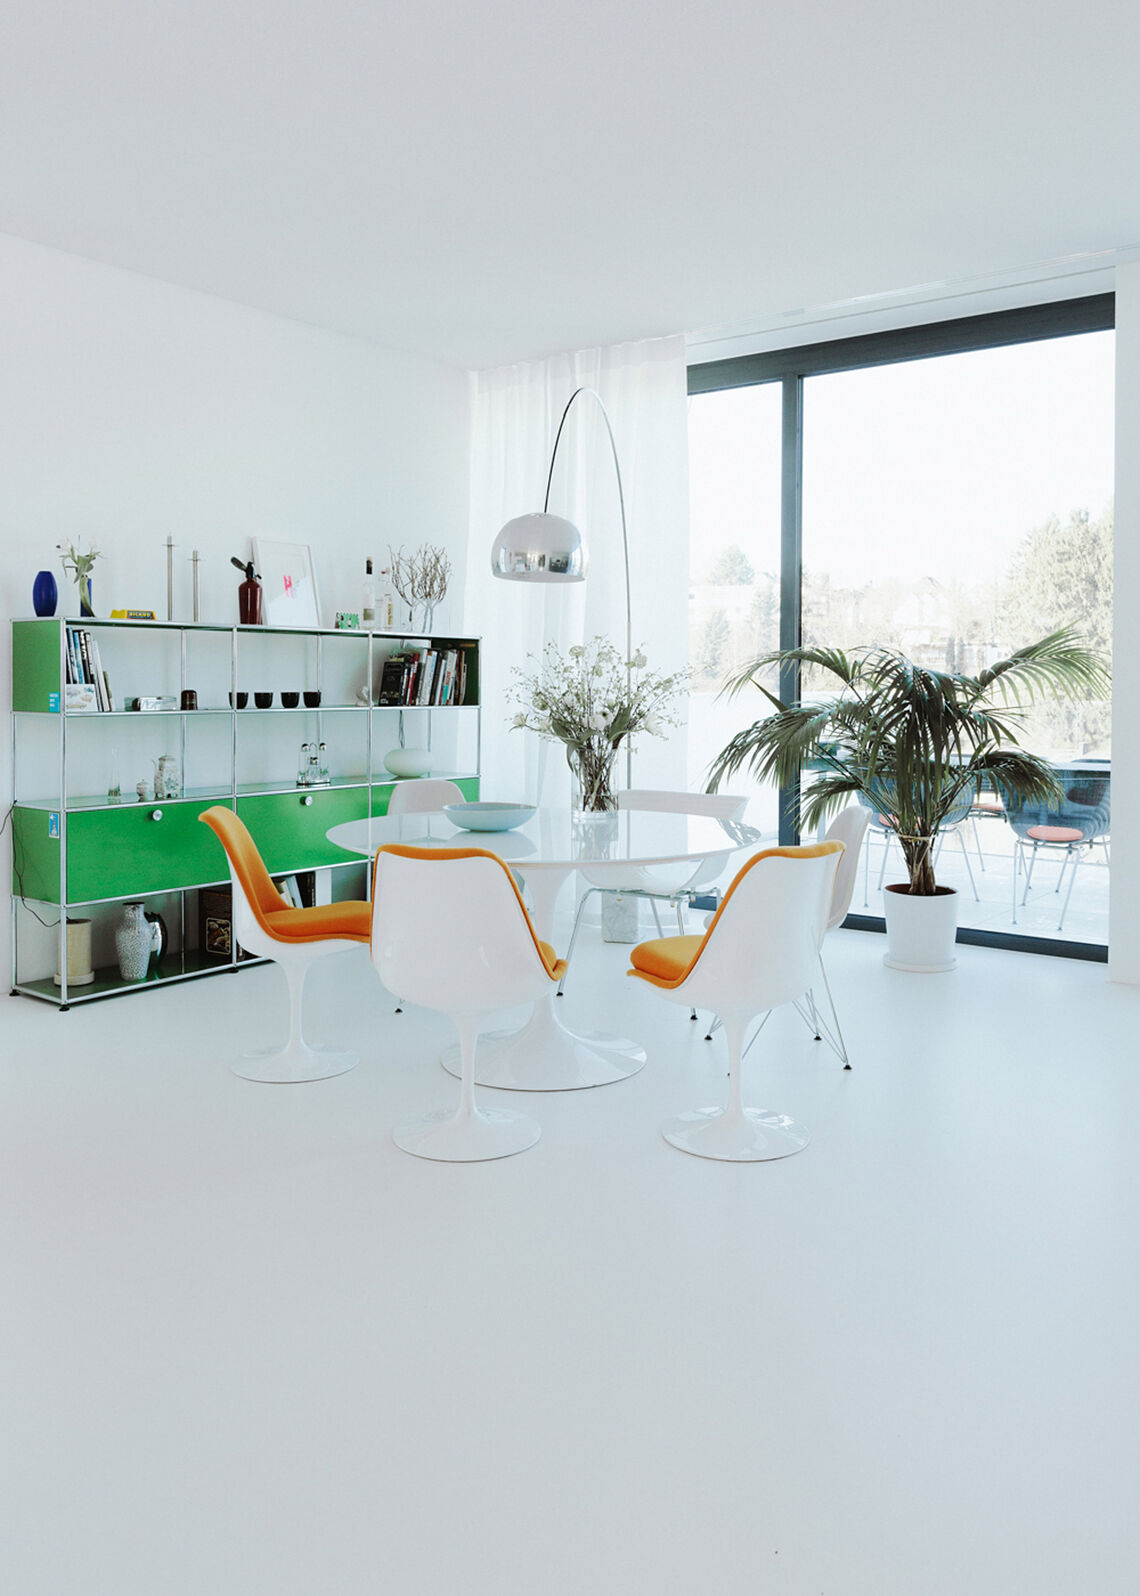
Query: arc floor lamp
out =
(541, 547)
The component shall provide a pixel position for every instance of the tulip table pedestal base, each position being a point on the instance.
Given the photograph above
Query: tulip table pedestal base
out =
(546, 1057)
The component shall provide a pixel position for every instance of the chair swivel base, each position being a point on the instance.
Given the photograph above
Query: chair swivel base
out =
(293, 1064)
(748, 1137)
(467, 1138)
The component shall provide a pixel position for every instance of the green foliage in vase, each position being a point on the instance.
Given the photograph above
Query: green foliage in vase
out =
(77, 562)
(913, 742)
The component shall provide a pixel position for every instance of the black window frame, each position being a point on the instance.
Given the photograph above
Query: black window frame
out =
(789, 367)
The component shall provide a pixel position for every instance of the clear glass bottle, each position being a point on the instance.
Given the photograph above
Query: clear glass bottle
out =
(387, 603)
(313, 777)
(303, 765)
(322, 764)
(368, 607)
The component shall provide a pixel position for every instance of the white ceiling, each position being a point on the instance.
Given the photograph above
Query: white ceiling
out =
(489, 180)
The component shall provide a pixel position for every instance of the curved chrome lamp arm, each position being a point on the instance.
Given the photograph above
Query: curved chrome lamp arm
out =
(621, 500)
(624, 540)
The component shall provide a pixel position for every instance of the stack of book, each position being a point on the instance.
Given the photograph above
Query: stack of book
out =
(87, 684)
(425, 676)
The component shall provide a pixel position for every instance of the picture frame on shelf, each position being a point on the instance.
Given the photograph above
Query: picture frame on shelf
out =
(290, 582)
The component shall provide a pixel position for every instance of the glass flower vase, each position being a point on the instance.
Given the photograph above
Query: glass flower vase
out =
(593, 772)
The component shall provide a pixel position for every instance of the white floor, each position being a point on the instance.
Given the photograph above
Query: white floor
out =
(249, 1348)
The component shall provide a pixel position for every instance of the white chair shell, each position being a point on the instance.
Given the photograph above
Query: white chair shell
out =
(450, 933)
(422, 796)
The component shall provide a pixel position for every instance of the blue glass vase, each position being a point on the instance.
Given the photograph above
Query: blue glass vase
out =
(45, 594)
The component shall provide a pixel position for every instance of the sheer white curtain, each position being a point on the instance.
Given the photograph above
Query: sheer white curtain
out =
(516, 410)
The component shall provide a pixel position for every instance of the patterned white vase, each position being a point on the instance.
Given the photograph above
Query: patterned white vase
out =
(134, 942)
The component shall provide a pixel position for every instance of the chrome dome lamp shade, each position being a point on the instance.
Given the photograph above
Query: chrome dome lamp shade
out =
(540, 548)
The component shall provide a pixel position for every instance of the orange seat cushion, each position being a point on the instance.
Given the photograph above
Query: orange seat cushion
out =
(1055, 834)
(352, 920)
(666, 959)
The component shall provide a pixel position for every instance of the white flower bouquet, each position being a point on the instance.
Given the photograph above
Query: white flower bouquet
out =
(591, 700)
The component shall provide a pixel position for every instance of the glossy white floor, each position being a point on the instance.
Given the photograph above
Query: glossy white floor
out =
(250, 1348)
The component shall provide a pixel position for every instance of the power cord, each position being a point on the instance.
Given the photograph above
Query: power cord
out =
(18, 872)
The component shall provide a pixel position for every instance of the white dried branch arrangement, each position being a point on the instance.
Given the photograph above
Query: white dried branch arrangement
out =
(422, 577)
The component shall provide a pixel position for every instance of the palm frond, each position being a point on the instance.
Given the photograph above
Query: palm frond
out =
(1058, 663)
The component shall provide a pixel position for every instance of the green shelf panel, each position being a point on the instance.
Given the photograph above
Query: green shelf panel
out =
(35, 666)
(290, 833)
(35, 854)
(118, 853)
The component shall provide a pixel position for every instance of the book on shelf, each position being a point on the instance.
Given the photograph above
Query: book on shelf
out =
(84, 668)
(392, 680)
(420, 676)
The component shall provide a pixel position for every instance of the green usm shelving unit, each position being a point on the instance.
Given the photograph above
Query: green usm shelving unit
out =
(77, 853)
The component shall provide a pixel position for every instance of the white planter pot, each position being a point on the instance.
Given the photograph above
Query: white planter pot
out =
(920, 931)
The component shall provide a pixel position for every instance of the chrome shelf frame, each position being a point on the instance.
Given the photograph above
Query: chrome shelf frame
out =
(64, 996)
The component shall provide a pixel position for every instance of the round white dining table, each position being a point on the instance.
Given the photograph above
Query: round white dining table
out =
(545, 1055)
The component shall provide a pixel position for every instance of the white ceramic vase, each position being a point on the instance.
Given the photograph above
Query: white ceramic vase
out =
(920, 931)
(408, 761)
(136, 938)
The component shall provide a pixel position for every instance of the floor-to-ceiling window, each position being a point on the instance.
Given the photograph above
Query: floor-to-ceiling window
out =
(946, 491)
(734, 581)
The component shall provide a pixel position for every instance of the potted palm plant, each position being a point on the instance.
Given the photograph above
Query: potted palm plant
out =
(913, 744)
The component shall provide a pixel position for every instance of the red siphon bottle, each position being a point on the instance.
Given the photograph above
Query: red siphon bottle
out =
(250, 594)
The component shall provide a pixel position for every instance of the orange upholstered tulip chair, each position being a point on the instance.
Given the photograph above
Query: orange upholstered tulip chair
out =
(761, 950)
(266, 925)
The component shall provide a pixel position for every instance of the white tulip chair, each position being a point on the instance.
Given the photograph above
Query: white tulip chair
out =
(422, 796)
(450, 932)
(265, 924)
(760, 951)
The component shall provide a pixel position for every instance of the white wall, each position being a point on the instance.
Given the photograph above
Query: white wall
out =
(1124, 913)
(130, 409)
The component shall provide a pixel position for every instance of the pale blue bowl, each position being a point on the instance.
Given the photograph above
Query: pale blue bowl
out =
(488, 816)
